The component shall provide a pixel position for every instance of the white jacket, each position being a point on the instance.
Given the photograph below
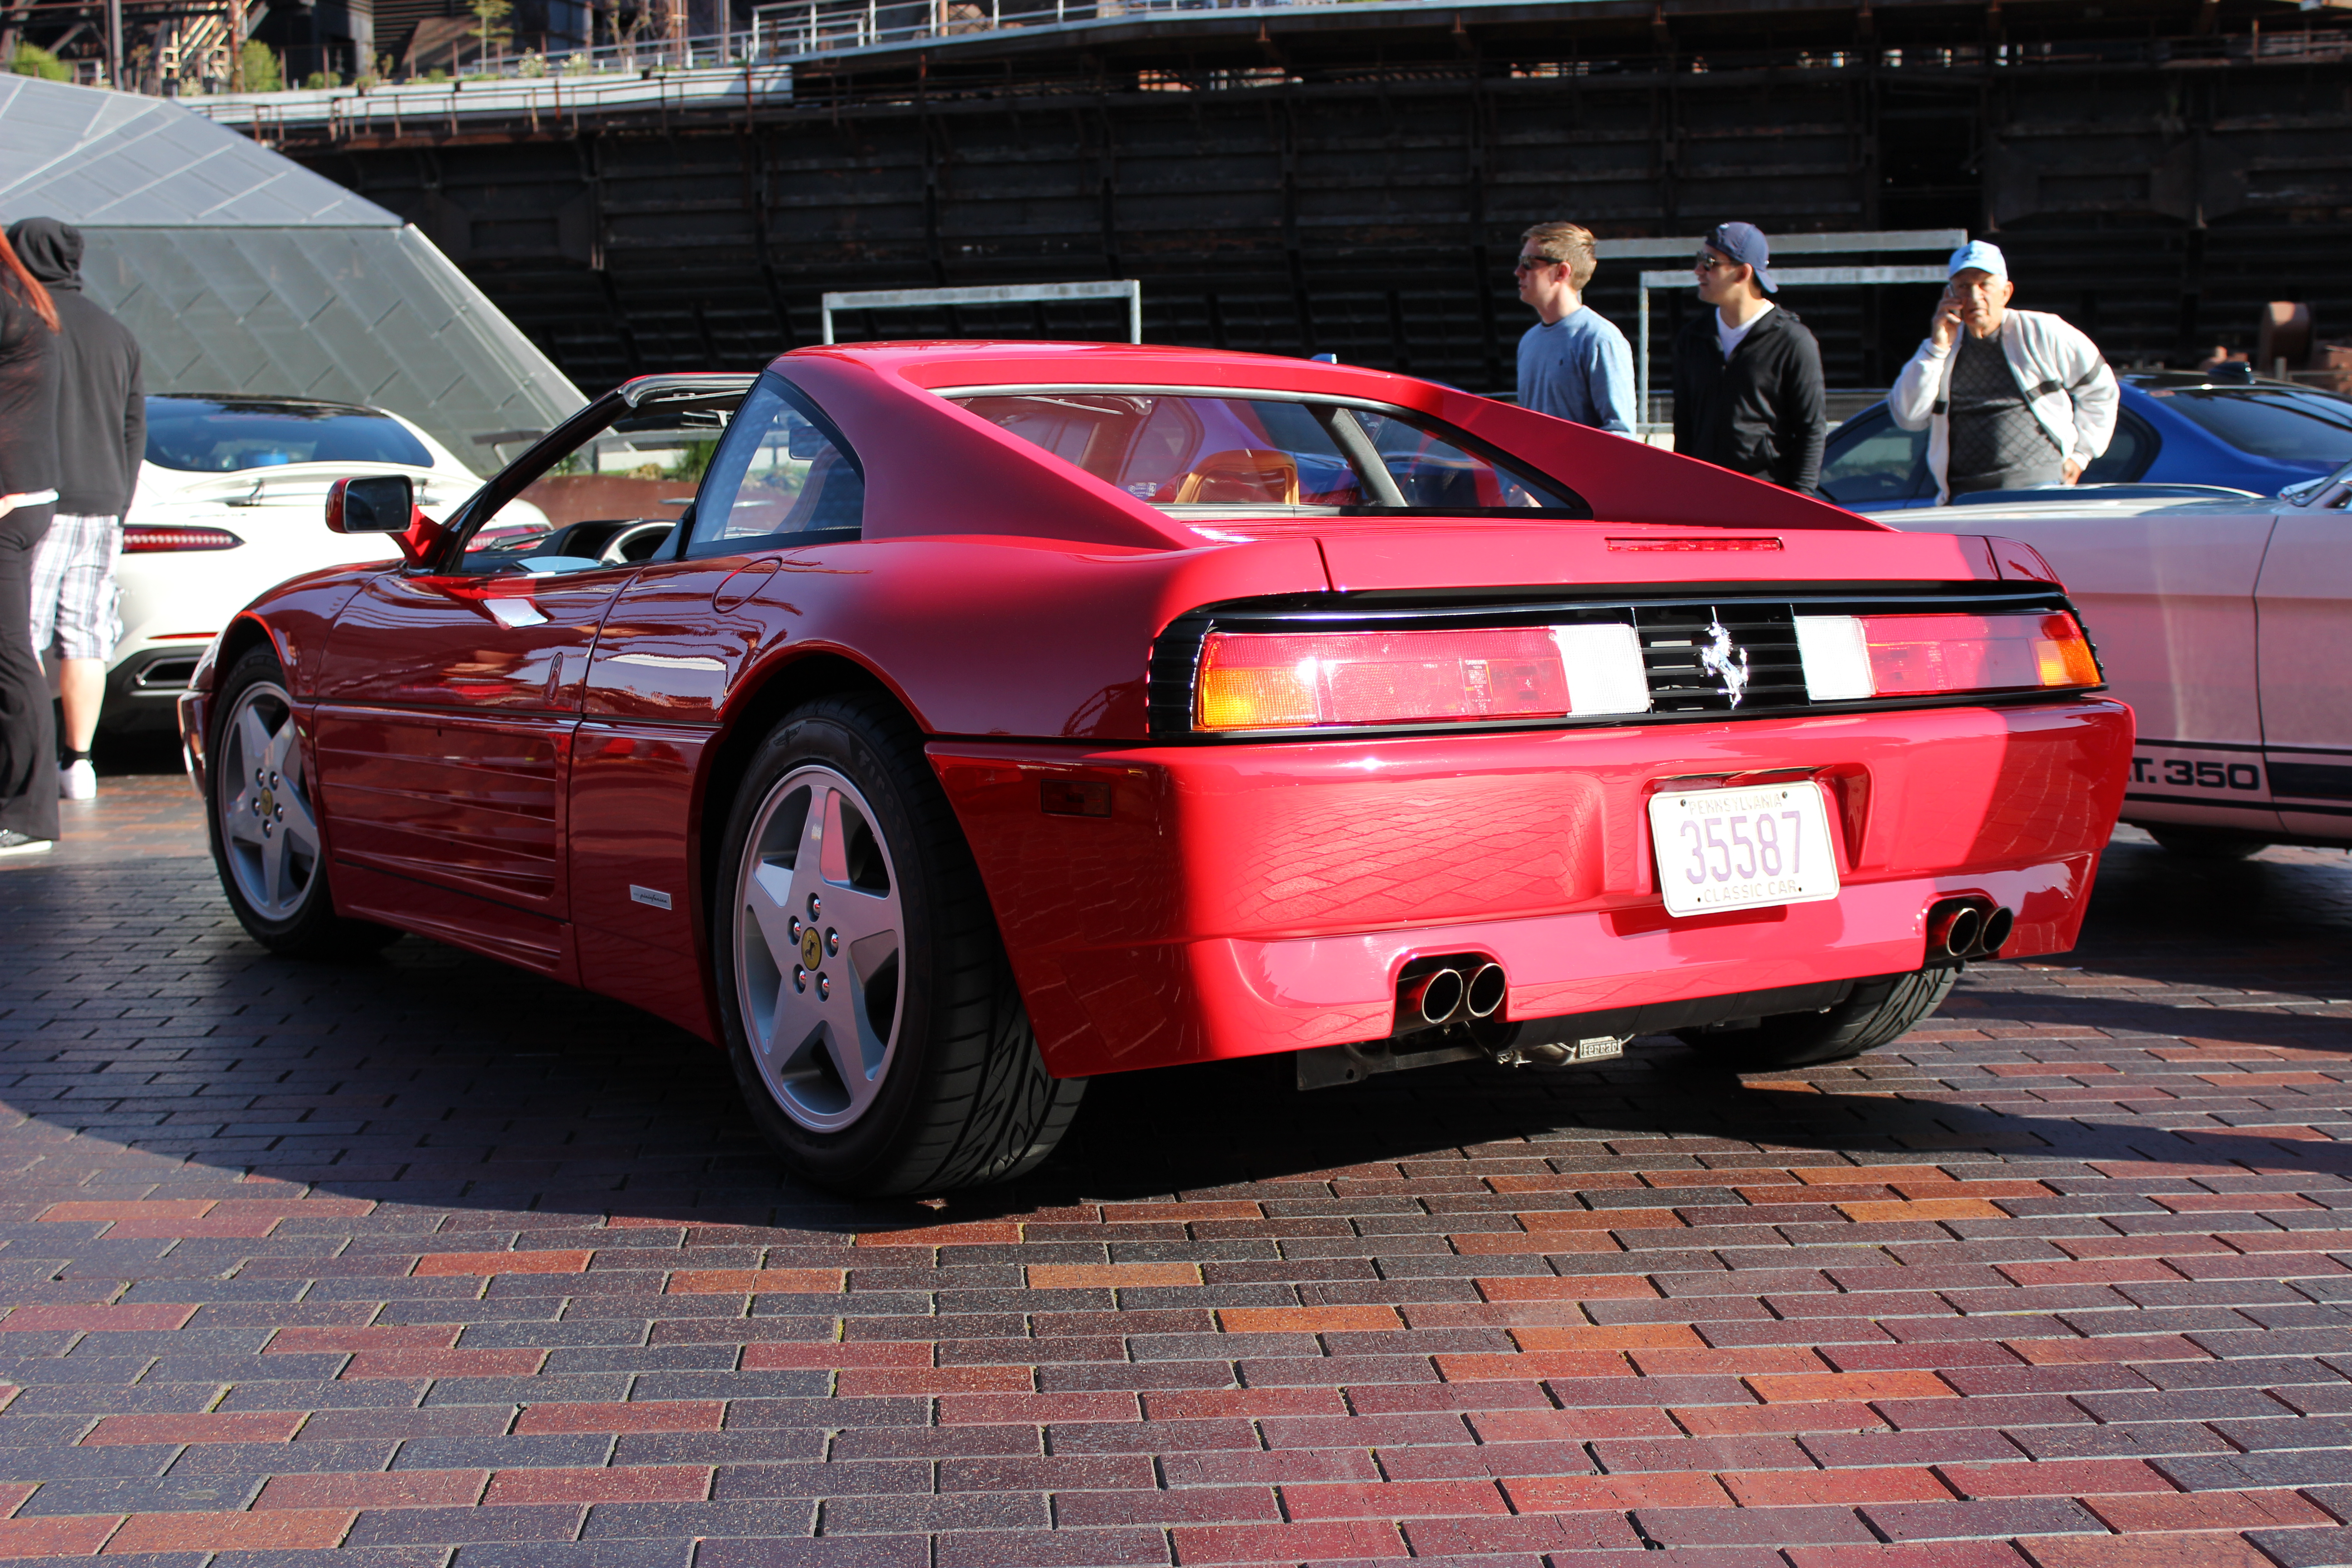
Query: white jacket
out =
(2066, 382)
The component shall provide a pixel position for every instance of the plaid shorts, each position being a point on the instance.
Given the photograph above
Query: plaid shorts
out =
(76, 605)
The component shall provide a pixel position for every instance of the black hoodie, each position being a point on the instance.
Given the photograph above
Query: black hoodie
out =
(101, 409)
(1759, 413)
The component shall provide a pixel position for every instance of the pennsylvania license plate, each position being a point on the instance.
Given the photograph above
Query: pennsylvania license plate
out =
(1743, 848)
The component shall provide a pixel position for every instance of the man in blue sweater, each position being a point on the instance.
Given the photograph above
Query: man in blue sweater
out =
(1573, 364)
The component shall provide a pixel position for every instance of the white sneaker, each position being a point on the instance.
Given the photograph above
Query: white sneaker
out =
(14, 842)
(78, 781)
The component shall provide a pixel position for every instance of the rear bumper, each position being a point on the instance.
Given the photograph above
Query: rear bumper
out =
(1248, 899)
(143, 687)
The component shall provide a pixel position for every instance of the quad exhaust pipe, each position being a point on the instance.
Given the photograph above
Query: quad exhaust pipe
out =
(1967, 928)
(1454, 990)
(1435, 997)
(1486, 992)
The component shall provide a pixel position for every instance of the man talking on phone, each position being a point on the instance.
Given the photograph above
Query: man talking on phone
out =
(2009, 398)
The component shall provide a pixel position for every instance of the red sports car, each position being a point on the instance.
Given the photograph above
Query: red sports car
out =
(933, 726)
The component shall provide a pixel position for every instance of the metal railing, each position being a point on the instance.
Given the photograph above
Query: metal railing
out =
(804, 28)
(801, 30)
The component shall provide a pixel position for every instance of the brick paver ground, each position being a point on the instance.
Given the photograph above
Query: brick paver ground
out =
(427, 1262)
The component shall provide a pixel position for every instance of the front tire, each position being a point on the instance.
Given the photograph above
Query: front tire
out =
(264, 821)
(1878, 1011)
(869, 1013)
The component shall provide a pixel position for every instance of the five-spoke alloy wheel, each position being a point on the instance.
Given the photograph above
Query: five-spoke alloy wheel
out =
(866, 1004)
(264, 819)
(269, 834)
(817, 945)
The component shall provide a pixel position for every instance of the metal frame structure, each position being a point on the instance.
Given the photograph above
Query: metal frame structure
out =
(1354, 179)
(989, 294)
(1893, 240)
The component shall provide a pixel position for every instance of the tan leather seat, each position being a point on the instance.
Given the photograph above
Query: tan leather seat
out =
(1245, 476)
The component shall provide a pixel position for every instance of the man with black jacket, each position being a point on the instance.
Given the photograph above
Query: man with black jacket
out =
(1748, 374)
(101, 436)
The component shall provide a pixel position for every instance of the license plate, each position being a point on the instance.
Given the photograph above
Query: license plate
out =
(1742, 849)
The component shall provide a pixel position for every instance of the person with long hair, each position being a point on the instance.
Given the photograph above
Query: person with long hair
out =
(28, 496)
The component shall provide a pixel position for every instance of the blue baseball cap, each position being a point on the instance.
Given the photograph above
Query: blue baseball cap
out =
(1980, 254)
(1744, 243)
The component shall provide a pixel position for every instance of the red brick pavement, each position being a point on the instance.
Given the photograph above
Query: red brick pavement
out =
(424, 1262)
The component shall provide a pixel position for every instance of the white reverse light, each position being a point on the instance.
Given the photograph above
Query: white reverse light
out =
(1836, 656)
(1604, 668)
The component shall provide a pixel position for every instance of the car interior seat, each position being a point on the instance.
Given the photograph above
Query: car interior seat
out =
(1245, 476)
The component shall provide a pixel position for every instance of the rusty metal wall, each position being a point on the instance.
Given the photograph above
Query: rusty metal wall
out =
(2154, 173)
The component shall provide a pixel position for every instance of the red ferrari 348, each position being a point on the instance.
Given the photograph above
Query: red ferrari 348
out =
(934, 726)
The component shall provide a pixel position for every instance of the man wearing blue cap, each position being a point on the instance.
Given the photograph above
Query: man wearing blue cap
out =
(2009, 398)
(1748, 374)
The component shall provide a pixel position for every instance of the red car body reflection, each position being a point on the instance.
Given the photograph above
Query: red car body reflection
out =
(538, 767)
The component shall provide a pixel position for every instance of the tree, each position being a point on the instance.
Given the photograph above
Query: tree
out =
(32, 60)
(261, 73)
(492, 20)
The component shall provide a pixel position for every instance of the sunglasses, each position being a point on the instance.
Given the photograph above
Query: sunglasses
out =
(1536, 263)
(1707, 261)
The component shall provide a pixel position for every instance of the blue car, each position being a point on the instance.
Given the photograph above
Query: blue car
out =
(2174, 428)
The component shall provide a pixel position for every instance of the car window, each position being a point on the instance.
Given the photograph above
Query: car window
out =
(227, 436)
(1873, 460)
(612, 498)
(2297, 426)
(1193, 452)
(784, 477)
(2129, 452)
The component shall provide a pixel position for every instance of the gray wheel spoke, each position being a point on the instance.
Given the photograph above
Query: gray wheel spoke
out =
(847, 1038)
(255, 739)
(768, 899)
(273, 868)
(833, 945)
(299, 828)
(283, 759)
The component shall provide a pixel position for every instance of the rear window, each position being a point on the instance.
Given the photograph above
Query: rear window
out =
(1195, 453)
(204, 436)
(2294, 427)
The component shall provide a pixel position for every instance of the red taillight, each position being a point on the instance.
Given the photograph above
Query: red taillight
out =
(1851, 657)
(149, 539)
(1283, 680)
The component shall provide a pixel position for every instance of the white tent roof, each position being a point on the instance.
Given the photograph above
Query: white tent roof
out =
(113, 160)
(239, 270)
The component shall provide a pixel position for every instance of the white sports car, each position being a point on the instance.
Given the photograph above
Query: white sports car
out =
(2224, 619)
(227, 506)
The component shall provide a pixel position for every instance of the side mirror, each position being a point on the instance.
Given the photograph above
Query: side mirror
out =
(379, 504)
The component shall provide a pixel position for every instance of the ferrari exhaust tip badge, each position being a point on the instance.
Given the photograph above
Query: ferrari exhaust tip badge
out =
(935, 727)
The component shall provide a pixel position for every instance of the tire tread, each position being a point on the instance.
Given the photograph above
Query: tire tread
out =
(1878, 1011)
(988, 1110)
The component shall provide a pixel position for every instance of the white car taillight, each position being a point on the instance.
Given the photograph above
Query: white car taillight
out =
(1252, 680)
(1848, 657)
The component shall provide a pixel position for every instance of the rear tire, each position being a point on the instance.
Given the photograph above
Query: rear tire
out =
(2207, 843)
(868, 1010)
(1879, 1010)
(264, 820)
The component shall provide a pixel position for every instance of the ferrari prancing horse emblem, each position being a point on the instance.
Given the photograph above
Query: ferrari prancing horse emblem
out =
(1725, 659)
(811, 948)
